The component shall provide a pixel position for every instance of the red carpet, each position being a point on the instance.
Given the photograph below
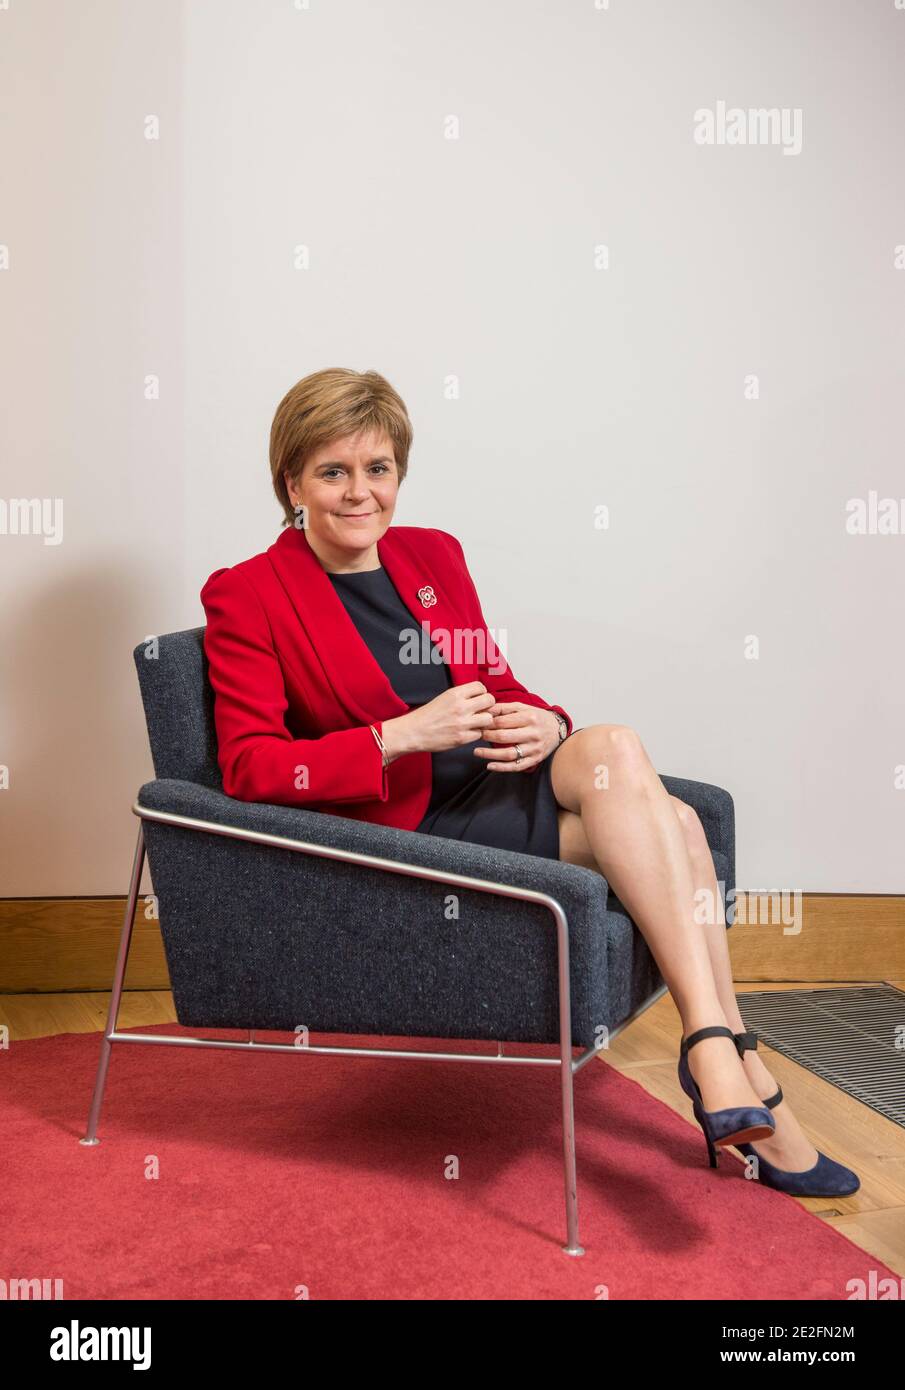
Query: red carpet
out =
(278, 1171)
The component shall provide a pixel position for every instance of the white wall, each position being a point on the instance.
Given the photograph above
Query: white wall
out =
(579, 387)
(91, 304)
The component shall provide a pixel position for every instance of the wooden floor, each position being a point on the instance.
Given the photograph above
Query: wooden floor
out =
(846, 1130)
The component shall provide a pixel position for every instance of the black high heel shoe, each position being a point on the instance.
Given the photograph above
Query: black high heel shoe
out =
(827, 1178)
(721, 1127)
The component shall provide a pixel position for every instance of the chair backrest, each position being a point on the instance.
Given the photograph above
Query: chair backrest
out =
(179, 707)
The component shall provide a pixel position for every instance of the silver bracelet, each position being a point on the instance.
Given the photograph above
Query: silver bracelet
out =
(380, 745)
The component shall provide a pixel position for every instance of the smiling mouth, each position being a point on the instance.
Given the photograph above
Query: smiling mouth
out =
(356, 514)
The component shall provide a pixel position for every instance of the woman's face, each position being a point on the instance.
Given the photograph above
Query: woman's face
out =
(349, 488)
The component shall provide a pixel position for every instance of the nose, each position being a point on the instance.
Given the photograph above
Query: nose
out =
(358, 485)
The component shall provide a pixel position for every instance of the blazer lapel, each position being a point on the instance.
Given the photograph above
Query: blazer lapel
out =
(357, 678)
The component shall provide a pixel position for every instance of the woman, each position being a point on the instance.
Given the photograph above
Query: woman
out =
(354, 673)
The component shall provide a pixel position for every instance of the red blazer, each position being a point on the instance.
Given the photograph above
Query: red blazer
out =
(296, 686)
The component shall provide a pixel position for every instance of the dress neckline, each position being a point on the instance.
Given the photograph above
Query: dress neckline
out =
(351, 574)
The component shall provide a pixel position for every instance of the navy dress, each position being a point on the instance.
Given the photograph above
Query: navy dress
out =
(506, 810)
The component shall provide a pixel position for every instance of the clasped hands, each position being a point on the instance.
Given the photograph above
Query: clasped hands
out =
(535, 730)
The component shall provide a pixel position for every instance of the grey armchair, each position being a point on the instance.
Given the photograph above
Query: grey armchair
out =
(284, 919)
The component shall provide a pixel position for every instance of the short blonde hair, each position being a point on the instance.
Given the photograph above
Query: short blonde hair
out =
(329, 405)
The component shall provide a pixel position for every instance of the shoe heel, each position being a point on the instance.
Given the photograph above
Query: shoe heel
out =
(712, 1151)
(721, 1127)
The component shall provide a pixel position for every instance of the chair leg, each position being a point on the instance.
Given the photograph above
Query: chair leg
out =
(118, 978)
(573, 1245)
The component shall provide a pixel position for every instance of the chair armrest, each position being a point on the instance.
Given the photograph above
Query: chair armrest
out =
(572, 886)
(254, 939)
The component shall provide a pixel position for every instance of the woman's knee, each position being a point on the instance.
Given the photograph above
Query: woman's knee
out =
(691, 826)
(620, 749)
(616, 754)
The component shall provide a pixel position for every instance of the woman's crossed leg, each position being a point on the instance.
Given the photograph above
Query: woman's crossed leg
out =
(616, 816)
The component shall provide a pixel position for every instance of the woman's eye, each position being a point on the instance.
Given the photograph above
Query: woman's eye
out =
(332, 472)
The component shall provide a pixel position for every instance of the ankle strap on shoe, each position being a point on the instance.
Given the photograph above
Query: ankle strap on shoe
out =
(747, 1042)
(716, 1031)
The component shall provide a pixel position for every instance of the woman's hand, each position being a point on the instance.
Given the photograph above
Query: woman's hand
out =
(458, 716)
(536, 731)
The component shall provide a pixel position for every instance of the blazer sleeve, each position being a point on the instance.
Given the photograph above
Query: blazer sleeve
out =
(501, 682)
(259, 758)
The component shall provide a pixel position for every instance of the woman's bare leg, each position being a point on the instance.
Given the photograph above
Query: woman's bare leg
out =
(603, 775)
(788, 1148)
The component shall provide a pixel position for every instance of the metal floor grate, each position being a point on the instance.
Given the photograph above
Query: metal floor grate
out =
(847, 1036)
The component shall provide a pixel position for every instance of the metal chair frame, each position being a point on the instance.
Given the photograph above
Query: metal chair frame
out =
(567, 1064)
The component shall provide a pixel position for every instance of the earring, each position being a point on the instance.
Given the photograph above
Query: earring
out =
(299, 522)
